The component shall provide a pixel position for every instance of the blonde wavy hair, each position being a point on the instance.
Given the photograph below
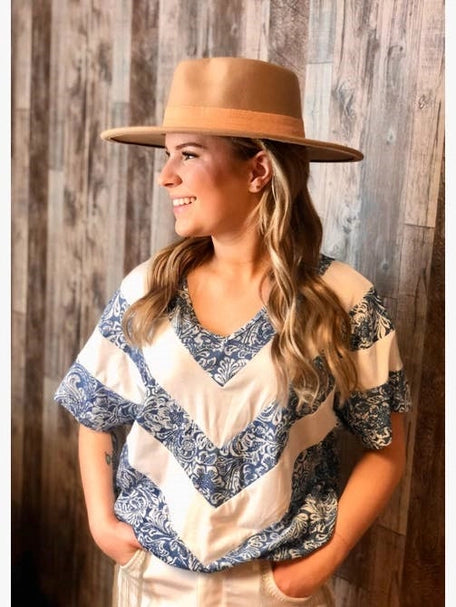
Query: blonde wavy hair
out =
(307, 316)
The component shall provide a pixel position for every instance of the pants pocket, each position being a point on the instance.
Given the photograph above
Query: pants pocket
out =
(135, 563)
(272, 596)
(128, 581)
(271, 590)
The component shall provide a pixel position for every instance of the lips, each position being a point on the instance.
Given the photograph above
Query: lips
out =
(182, 202)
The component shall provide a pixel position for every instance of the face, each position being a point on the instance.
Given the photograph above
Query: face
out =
(210, 188)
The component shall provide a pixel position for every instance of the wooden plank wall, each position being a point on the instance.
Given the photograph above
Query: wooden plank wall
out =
(85, 212)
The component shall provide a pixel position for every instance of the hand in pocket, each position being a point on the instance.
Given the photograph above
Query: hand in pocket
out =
(116, 539)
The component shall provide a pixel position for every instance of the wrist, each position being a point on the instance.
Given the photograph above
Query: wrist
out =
(340, 547)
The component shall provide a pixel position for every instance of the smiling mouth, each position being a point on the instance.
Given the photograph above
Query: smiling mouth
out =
(181, 202)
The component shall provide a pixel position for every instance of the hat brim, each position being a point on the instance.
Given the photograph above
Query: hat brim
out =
(154, 136)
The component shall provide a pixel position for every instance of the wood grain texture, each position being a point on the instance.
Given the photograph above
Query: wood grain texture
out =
(143, 70)
(85, 212)
(424, 556)
(256, 21)
(29, 421)
(20, 164)
(426, 147)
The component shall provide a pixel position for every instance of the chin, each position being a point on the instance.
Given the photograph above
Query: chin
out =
(189, 232)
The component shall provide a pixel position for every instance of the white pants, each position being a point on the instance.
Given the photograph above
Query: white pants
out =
(146, 581)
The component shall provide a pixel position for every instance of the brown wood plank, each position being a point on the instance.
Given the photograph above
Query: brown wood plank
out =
(348, 595)
(18, 327)
(21, 87)
(27, 565)
(376, 564)
(424, 559)
(20, 133)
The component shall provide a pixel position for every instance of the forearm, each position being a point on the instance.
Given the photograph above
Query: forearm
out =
(95, 460)
(366, 494)
(370, 487)
(114, 537)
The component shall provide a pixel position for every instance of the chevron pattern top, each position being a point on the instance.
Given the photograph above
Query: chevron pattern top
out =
(215, 471)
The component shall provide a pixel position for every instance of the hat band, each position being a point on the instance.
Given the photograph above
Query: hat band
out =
(228, 119)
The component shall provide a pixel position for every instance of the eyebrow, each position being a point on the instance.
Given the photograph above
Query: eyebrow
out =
(188, 143)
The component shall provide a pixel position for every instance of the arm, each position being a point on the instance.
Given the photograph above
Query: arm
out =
(366, 494)
(115, 538)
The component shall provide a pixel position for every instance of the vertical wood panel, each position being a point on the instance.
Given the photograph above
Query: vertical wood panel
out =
(317, 97)
(67, 226)
(288, 35)
(172, 41)
(86, 211)
(225, 31)
(426, 147)
(393, 45)
(340, 186)
(144, 59)
(33, 335)
(79, 210)
(99, 207)
(256, 19)
(424, 556)
(36, 261)
(117, 156)
(21, 83)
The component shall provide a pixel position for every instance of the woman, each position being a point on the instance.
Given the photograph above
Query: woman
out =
(235, 355)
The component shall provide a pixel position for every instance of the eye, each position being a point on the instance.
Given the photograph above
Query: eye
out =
(188, 155)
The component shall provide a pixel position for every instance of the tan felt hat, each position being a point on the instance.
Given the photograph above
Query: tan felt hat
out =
(235, 97)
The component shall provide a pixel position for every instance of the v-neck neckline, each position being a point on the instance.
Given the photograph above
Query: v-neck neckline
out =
(260, 314)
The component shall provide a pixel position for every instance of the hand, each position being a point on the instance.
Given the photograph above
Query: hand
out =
(116, 539)
(293, 579)
(302, 577)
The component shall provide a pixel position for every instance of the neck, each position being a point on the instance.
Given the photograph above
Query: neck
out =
(246, 258)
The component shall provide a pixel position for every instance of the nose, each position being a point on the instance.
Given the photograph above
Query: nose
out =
(168, 176)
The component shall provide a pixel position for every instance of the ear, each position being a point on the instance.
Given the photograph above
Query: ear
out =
(261, 171)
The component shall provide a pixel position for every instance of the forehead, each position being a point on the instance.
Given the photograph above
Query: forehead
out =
(209, 142)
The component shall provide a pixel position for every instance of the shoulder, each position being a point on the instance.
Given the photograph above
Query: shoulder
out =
(135, 283)
(347, 283)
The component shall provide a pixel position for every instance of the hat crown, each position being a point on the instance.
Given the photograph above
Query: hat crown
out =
(236, 83)
(234, 97)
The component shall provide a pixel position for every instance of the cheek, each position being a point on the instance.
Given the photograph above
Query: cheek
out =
(200, 179)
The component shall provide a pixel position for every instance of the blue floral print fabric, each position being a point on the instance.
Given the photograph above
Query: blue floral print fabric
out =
(215, 470)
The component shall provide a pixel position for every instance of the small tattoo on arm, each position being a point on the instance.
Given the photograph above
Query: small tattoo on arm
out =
(108, 458)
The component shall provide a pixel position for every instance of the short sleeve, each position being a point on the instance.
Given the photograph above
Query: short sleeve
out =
(105, 386)
(383, 388)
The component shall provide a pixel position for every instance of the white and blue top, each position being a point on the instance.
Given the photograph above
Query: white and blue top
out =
(215, 471)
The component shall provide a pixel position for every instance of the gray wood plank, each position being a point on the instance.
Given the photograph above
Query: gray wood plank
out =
(85, 211)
